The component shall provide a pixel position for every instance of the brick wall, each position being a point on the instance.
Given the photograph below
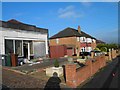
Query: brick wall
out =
(63, 41)
(76, 77)
(111, 54)
(71, 75)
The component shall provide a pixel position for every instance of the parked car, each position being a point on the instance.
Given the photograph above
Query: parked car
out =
(85, 53)
(97, 53)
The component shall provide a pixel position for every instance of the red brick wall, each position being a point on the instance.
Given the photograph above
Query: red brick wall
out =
(82, 74)
(75, 77)
(71, 75)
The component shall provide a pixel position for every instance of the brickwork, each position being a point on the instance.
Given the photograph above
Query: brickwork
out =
(75, 77)
(71, 75)
(113, 54)
(71, 41)
(63, 41)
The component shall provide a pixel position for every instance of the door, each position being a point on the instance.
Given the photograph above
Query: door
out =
(25, 50)
(70, 52)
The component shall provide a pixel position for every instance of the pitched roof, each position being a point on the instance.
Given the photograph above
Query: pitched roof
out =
(69, 32)
(14, 24)
(99, 41)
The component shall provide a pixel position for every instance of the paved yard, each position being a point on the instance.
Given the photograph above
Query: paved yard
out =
(35, 79)
(44, 64)
(13, 79)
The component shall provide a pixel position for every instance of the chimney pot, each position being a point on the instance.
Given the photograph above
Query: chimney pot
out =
(79, 29)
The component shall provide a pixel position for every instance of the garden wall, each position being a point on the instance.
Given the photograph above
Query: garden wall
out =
(74, 76)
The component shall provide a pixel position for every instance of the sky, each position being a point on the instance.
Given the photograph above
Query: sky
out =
(99, 19)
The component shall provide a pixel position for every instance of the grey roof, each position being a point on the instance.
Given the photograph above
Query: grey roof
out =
(22, 26)
(70, 32)
(100, 41)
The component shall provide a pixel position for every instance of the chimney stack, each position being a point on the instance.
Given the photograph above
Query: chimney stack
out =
(79, 29)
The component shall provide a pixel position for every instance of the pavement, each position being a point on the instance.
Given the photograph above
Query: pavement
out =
(44, 64)
(107, 77)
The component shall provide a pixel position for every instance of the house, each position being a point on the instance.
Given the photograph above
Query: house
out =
(73, 42)
(26, 40)
(99, 42)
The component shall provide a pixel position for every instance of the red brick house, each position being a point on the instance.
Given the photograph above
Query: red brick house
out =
(71, 41)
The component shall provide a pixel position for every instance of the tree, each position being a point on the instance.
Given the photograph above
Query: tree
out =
(108, 46)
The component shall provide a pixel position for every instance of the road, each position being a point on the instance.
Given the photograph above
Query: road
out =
(106, 78)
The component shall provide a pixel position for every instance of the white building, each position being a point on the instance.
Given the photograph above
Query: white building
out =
(23, 39)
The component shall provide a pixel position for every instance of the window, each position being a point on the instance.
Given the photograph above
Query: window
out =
(93, 40)
(89, 40)
(89, 49)
(57, 40)
(31, 47)
(78, 39)
(9, 46)
(18, 47)
(83, 39)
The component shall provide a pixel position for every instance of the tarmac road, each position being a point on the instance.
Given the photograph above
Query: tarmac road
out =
(107, 78)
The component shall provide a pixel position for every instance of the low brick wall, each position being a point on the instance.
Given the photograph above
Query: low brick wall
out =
(111, 54)
(76, 77)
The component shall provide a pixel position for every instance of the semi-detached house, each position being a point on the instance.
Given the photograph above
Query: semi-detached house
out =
(71, 41)
(23, 39)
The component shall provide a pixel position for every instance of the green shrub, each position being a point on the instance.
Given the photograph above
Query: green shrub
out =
(104, 49)
(97, 49)
(56, 63)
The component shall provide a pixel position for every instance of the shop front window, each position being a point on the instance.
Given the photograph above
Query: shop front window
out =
(9, 46)
(18, 47)
(31, 47)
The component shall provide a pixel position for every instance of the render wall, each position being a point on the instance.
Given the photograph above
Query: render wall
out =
(8, 33)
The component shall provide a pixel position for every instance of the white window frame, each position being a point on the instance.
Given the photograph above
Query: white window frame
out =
(78, 39)
(57, 40)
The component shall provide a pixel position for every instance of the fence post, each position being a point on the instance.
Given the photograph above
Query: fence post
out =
(109, 54)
